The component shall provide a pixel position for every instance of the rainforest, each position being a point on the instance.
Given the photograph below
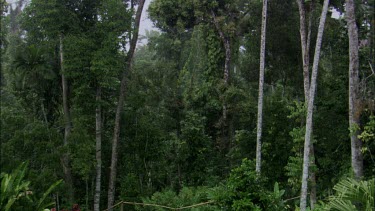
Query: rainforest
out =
(214, 105)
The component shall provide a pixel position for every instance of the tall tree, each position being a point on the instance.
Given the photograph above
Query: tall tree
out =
(120, 103)
(354, 100)
(310, 107)
(53, 20)
(67, 122)
(227, 47)
(261, 84)
(305, 33)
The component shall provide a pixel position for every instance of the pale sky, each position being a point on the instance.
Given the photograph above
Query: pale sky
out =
(146, 23)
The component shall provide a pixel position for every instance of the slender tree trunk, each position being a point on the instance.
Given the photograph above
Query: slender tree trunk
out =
(305, 46)
(87, 193)
(116, 133)
(224, 121)
(68, 124)
(227, 48)
(305, 43)
(354, 101)
(261, 84)
(98, 137)
(309, 120)
(57, 201)
(227, 59)
(312, 178)
(226, 74)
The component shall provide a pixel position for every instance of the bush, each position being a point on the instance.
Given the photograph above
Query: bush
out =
(246, 191)
(186, 197)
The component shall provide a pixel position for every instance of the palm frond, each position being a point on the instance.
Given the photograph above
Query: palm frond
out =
(353, 195)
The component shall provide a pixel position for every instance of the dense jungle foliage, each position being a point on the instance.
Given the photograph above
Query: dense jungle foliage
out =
(187, 120)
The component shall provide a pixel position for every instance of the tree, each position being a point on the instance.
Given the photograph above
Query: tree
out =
(226, 18)
(354, 89)
(310, 107)
(116, 133)
(67, 120)
(59, 22)
(103, 57)
(225, 39)
(261, 84)
(305, 46)
(98, 154)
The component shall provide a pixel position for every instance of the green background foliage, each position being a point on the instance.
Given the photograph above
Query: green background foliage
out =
(175, 148)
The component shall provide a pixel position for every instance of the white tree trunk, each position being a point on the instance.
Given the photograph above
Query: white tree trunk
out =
(261, 84)
(305, 46)
(309, 117)
(354, 101)
(116, 133)
(98, 137)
